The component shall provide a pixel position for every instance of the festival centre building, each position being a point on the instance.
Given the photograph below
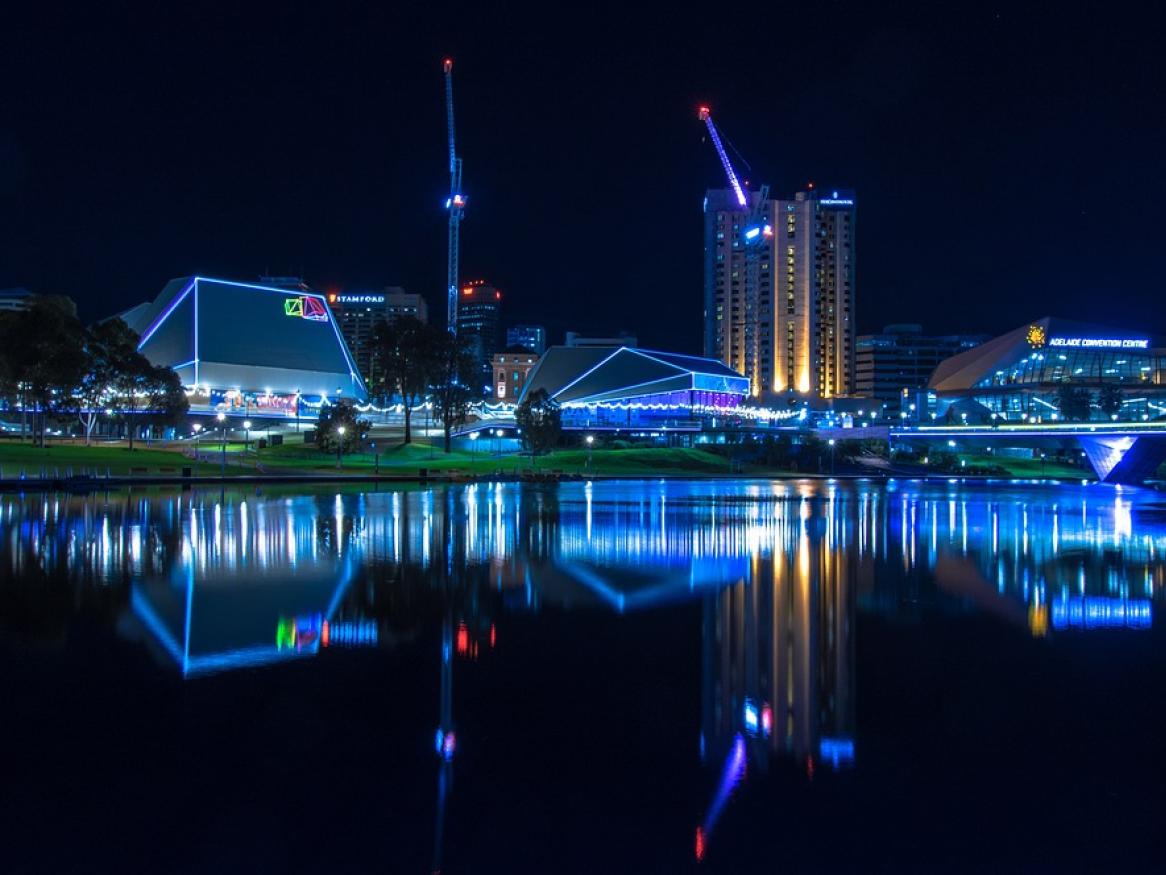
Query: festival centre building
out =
(622, 387)
(1022, 375)
(247, 347)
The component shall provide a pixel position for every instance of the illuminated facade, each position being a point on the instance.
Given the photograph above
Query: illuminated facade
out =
(779, 287)
(511, 371)
(620, 387)
(239, 344)
(1025, 374)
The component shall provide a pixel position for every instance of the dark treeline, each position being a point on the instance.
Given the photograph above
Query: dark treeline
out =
(56, 371)
(416, 362)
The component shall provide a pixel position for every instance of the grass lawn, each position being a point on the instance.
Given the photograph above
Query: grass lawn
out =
(114, 458)
(1031, 467)
(408, 458)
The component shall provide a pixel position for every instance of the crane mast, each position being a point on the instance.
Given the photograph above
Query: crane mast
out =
(747, 357)
(455, 203)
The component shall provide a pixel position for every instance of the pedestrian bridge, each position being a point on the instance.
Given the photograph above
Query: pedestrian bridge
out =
(1125, 453)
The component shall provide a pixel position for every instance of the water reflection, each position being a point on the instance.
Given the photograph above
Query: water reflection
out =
(211, 581)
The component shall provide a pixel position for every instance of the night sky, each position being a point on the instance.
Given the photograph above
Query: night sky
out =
(1008, 164)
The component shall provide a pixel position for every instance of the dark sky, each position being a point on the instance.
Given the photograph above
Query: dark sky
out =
(1008, 163)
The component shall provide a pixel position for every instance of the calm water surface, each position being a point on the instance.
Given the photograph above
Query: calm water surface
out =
(643, 677)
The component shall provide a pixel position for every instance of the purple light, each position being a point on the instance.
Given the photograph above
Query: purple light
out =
(729, 172)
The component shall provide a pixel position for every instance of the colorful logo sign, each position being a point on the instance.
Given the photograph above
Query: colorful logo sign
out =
(1035, 336)
(1101, 342)
(305, 307)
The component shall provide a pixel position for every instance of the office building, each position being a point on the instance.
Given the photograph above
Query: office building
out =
(900, 361)
(359, 313)
(512, 367)
(575, 339)
(779, 287)
(478, 320)
(532, 337)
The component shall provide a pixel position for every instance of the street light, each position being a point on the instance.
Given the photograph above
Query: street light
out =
(222, 418)
(831, 442)
(473, 441)
(590, 440)
(339, 444)
(197, 428)
(498, 442)
(246, 435)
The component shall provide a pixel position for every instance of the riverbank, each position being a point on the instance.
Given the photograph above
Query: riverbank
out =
(75, 466)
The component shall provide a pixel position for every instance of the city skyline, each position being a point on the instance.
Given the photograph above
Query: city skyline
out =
(336, 169)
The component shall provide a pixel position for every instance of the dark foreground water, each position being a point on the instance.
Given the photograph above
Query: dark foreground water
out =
(618, 677)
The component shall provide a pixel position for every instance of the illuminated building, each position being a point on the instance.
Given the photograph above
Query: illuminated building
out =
(263, 349)
(901, 360)
(619, 387)
(359, 313)
(1027, 374)
(532, 337)
(479, 320)
(511, 370)
(779, 294)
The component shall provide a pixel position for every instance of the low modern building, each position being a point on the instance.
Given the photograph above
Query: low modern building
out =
(532, 337)
(1031, 372)
(621, 387)
(511, 370)
(249, 346)
(900, 361)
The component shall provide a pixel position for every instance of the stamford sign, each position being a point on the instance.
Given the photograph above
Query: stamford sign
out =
(1100, 342)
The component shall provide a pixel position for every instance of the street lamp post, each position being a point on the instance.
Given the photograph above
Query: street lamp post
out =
(222, 418)
(197, 428)
(590, 441)
(339, 444)
(246, 435)
(831, 442)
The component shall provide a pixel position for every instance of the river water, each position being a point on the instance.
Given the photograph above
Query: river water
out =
(619, 676)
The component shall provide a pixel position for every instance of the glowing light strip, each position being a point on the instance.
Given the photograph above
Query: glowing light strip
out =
(158, 322)
(729, 172)
(627, 390)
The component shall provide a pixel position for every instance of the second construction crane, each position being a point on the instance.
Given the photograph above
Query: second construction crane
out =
(455, 203)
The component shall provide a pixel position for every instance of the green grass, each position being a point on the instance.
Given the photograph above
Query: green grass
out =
(406, 459)
(116, 459)
(1026, 468)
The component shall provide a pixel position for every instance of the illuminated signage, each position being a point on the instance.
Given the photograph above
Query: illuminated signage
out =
(1100, 342)
(1035, 336)
(305, 307)
(357, 299)
(835, 201)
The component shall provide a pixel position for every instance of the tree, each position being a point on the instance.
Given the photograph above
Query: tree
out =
(109, 348)
(1109, 399)
(44, 358)
(333, 418)
(404, 351)
(1073, 402)
(455, 371)
(540, 420)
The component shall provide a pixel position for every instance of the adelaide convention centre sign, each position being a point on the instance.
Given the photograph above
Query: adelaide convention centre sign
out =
(1102, 342)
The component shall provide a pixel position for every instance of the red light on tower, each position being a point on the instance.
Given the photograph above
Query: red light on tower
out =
(447, 64)
(703, 113)
(699, 844)
(497, 296)
(463, 639)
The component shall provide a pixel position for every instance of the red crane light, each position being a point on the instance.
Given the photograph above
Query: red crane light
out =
(448, 64)
(703, 113)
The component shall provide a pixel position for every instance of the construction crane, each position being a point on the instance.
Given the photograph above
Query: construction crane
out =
(756, 230)
(455, 203)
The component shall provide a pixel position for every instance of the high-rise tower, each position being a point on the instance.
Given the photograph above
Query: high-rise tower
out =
(780, 308)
